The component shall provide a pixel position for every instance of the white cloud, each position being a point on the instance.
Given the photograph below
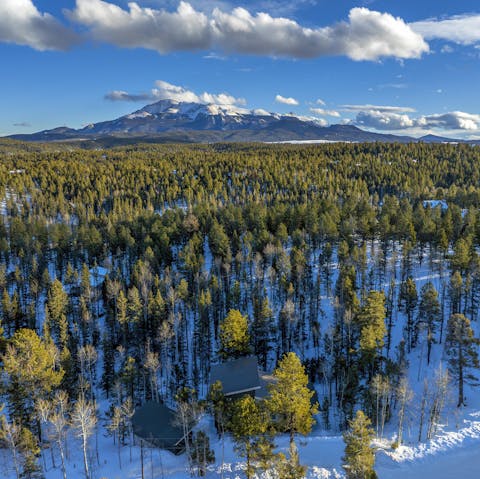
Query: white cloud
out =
(461, 29)
(21, 23)
(366, 35)
(370, 35)
(455, 120)
(164, 90)
(183, 29)
(323, 112)
(383, 120)
(320, 102)
(321, 121)
(180, 93)
(381, 108)
(286, 101)
(394, 120)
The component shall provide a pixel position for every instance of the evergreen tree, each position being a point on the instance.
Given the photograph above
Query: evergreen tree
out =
(234, 337)
(290, 398)
(56, 306)
(461, 347)
(371, 320)
(262, 329)
(428, 315)
(359, 458)
(31, 366)
(248, 423)
(408, 299)
(290, 467)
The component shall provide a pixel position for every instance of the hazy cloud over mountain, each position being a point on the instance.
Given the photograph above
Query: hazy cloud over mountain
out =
(164, 90)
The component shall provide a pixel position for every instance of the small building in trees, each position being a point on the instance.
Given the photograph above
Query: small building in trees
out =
(238, 377)
(243, 376)
(158, 426)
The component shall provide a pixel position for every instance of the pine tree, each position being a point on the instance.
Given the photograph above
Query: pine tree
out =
(234, 337)
(218, 406)
(407, 303)
(247, 424)
(29, 451)
(57, 302)
(262, 329)
(429, 315)
(461, 347)
(290, 467)
(290, 398)
(359, 458)
(31, 366)
(455, 290)
(121, 314)
(371, 320)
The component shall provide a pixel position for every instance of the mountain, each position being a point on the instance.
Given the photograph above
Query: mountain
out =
(174, 121)
(437, 139)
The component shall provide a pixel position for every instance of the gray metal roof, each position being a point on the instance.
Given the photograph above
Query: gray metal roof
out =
(237, 376)
(155, 423)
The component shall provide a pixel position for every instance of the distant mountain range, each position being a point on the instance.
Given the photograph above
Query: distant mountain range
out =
(174, 121)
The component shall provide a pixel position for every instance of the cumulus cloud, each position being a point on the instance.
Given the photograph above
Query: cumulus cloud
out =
(455, 120)
(183, 29)
(286, 100)
(383, 120)
(391, 119)
(366, 35)
(21, 23)
(164, 90)
(323, 112)
(461, 29)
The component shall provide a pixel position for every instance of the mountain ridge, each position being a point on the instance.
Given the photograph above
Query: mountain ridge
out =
(172, 120)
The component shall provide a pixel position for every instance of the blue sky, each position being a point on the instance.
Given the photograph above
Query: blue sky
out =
(407, 67)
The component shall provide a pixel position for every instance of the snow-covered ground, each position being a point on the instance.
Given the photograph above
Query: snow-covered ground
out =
(454, 453)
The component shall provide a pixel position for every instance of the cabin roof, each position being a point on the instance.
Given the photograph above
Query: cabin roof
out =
(237, 376)
(154, 422)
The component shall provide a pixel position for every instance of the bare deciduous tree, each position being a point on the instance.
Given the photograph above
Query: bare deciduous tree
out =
(84, 419)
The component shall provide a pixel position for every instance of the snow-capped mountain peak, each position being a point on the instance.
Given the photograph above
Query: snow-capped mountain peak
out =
(187, 121)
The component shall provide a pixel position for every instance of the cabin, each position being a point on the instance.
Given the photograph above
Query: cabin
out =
(238, 377)
(156, 424)
(242, 376)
